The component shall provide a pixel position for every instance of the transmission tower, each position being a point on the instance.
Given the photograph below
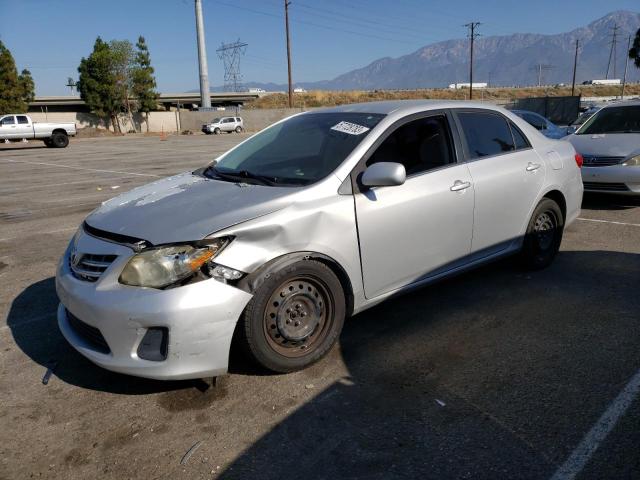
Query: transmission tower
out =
(612, 52)
(539, 68)
(230, 54)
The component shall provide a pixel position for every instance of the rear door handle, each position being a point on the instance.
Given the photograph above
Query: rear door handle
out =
(459, 185)
(532, 167)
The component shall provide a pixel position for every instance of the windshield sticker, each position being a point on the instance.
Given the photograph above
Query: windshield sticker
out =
(350, 128)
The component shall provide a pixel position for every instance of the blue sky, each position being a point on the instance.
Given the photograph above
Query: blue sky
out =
(329, 37)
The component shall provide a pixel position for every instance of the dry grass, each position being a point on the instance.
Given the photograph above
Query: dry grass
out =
(322, 98)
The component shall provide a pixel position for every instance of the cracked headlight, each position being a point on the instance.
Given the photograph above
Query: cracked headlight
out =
(632, 162)
(165, 266)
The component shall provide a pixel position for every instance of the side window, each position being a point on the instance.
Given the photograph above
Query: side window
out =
(535, 121)
(22, 119)
(519, 139)
(486, 133)
(419, 145)
(8, 120)
(238, 119)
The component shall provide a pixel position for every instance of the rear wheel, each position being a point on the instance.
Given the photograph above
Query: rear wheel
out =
(59, 140)
(544, 235)
(295, 317)
(238, 129)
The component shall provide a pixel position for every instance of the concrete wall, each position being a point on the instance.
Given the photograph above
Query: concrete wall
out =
(158, 121)
(254, 120)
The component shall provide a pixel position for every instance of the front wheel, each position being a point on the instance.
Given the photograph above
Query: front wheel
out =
(294, 317)
(216, 131)
(544, 235)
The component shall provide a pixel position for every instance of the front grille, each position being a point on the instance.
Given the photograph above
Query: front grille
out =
(595, 161)
(89, 334)
(606, 187)
(88, 266)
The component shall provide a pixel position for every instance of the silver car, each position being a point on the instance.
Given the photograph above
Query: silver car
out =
(224, 124)
(314, 219)
(610, 145)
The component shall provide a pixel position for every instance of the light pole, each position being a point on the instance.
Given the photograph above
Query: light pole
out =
(205, 98)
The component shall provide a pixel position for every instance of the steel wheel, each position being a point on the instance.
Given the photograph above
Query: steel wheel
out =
(298, 316)
(545, 229)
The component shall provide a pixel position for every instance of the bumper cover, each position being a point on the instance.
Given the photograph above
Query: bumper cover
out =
(614, 174)
(200, 318)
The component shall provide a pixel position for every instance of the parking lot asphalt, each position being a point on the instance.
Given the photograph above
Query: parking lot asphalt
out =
(497, 373)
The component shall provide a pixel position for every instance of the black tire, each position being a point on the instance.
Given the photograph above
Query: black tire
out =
(294, 318)
(47, 142)
(216, 131)
(59, 140)
(544, 235)
(238, 129)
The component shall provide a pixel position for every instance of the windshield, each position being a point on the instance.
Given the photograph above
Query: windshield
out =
(613, 120)
(215, 120)
(300, 150)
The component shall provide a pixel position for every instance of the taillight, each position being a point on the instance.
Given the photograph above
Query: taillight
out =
(579, 160)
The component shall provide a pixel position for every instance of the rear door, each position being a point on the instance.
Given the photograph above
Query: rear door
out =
(507, 176)
(24, 128)
(414, 231)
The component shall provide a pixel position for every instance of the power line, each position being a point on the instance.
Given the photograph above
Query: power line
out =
(472, 37)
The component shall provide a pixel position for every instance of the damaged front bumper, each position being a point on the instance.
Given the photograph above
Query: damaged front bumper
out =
(183, 332)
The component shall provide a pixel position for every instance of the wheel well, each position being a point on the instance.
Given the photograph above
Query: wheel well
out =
(254, 280)
(59, 130)
(558, 197)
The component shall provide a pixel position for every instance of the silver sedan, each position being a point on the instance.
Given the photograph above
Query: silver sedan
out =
(610, 144)
(314, 219)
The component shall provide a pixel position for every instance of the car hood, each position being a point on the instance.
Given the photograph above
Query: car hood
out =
(607, 144)
(186, 207)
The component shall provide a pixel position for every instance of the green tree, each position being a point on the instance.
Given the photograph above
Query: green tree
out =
(27, 86)
(143, 83)
(634, 52)
(15, 90)
(97, 83)
(122, 56)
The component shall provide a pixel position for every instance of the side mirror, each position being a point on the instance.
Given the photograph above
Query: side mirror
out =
(384, 174)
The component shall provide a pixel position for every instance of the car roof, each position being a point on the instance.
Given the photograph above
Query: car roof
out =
(625, 103)
(398, 106)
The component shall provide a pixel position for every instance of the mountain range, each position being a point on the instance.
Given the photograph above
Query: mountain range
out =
(498, 60)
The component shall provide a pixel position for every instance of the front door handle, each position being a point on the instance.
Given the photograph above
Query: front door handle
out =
(459, 185)
(532, 167)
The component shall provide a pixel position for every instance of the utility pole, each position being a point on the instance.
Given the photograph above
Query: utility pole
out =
(575, 67)
(626, 64)
(612, 52)
(472, 36)
(205, 98)
(286, 21)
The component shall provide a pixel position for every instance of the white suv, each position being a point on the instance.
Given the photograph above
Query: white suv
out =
(224, 124)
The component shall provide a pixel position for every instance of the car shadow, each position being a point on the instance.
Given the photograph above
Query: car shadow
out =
(497, 373)
(609, 201)
(7, 147)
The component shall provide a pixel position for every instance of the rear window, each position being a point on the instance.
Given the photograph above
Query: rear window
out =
(486, 133)
(613, 120)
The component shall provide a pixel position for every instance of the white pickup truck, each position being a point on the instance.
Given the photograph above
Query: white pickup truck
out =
(19, 127)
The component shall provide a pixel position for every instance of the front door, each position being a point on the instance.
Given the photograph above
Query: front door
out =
(413, 231)
(8, 127)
